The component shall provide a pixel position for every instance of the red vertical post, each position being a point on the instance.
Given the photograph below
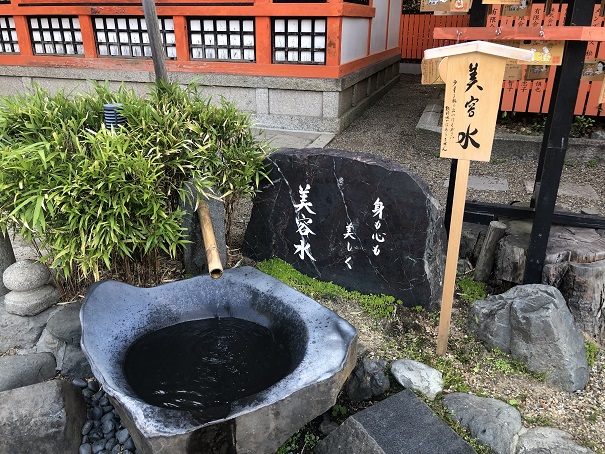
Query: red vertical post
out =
(25, 42)
(88, 36)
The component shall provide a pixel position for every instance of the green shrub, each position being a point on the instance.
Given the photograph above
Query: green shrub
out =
(103, 198)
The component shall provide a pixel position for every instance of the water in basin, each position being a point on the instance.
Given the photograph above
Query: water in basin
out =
(204, 365)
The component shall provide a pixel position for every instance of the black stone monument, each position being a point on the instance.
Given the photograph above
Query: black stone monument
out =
(354, 219)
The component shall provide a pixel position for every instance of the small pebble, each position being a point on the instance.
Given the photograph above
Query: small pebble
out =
(110, 444)
(129, 445)
(98, 446)
(87, 393)
(107, 426)
(80, 383)
(87, 427)
(85, 448)
(97, 424)
(116, 449)
(98, 395)
(93, 385)
(110, 435)
(122, 435)
(107, 417)
(95, 436)
(96, 413)
(103, 401)
(107, 408)
(85, 439)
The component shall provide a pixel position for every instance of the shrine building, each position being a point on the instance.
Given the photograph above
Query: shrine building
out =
(294, 66)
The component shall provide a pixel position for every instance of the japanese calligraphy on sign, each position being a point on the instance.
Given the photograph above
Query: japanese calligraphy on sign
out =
(469, 116)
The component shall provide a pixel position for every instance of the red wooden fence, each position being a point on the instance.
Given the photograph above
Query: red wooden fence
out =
(417, 32)
(517, 96)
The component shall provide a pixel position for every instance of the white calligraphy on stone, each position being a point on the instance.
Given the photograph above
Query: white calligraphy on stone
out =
(378, 237)
(349, 235)
(303, 248)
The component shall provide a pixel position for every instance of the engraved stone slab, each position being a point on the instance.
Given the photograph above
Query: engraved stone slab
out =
(359, 221)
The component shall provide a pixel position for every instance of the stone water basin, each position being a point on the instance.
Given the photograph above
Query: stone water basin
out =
(229, 365)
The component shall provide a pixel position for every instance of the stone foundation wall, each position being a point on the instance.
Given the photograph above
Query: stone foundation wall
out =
(290, 103)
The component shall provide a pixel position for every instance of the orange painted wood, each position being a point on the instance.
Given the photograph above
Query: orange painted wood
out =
(181, 35)
(264, 53)
(509, 90)
(88, 37)
(536, 96)
(22, 29)
(522, 98)
(550, 33)
(334, 38)
(417, 32)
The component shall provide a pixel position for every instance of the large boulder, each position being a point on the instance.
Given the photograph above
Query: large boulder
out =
(534, 324)
(399, 424)
(45, 417)
(18, 331)
(492, 422)
(354, 219)
(23, 370)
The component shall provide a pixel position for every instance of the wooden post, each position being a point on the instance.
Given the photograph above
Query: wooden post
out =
(485, 262)
(473, 75)
(155, 41)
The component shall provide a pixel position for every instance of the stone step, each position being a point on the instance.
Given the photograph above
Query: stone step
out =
(399, 424)
(583, 191)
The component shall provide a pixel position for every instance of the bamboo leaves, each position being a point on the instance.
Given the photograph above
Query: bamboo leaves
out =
(95, 197)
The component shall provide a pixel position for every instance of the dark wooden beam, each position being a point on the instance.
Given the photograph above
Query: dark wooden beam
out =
(483, 213)
(555, 141)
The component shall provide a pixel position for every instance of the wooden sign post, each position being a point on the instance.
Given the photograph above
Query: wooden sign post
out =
(473, 74)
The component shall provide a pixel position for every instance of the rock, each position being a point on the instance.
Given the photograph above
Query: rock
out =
(85, 448)
(45, 417)
(354, 219)
(65, 324)
(31, 302)
(367, 380)
(71, 361)
(471, 241)
(327, 427)
(194, 252)
(122, 435)
(547, 440)
(80, 383)
(489, 321)
(20, 331)
(492, 422)
(417, 376)
(401, 423)
(87, 427)
(23, 370)
(534, 325)
(25, 275)
(583, 288)
(7, 258)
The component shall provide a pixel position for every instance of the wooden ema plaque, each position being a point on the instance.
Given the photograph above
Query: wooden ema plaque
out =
(473, 75)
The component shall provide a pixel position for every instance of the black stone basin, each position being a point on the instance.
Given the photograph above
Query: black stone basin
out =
(319, 350)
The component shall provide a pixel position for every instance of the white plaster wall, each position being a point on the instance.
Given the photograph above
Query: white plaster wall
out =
(394, 24)
(354, 39)
(378, 40)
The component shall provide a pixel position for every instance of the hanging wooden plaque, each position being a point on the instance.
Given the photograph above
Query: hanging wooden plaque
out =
(430, 72)
(522, 9)
(545, 52)
(594, 69)
(434, 5)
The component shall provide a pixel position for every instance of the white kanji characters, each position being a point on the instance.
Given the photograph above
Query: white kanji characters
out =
(348, 262)
(302, 225)
(379, 237)
(350, 233)
(378, 207)
(302, 249)
(304, 203)
(376, 250)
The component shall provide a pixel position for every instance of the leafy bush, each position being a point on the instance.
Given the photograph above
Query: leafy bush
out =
(94, 197)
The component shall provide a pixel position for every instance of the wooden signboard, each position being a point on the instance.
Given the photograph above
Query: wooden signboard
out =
(594, 69)
(473, 75)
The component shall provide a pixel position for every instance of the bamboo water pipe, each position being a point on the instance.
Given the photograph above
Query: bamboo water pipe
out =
(215, 267)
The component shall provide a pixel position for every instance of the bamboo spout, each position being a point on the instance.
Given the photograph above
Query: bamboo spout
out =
(215, 267)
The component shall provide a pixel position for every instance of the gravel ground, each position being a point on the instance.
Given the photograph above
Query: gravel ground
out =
(388, 129)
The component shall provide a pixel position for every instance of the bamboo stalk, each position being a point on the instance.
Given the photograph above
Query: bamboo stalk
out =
(215, 267)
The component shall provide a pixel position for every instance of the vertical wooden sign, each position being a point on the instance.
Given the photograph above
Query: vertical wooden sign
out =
(473, 75)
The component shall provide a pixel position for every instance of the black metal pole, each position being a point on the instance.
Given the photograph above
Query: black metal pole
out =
(477, 15)
(555, 141)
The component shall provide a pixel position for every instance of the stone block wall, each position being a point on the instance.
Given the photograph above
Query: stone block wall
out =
(289, 103)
